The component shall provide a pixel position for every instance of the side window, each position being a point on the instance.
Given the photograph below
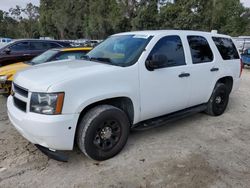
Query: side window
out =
(200, 49)
(171, 47)
(20, 46)
(226, 48)
(53, 45)
(38, 46)
(70, 55)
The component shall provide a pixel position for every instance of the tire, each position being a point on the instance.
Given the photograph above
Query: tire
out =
(218, 101)
(103, 132)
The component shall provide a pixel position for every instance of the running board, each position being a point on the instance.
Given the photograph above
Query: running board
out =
(162, 120)
(58, 156)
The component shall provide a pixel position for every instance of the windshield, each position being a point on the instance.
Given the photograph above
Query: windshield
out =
(122, 50)
(2, 45)
(44, 57)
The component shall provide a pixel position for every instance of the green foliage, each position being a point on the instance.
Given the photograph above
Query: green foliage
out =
(64, 19)
(147, 15)
(222, 15)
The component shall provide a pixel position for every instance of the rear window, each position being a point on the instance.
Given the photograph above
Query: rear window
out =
(226, 48)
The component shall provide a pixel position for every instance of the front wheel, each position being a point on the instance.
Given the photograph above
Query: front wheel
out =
(217, 103)
(103, 132)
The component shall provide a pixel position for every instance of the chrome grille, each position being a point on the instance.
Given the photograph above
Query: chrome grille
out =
(20, 104)
(21, 91)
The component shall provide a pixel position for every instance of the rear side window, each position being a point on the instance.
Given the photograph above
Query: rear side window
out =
(38, 46)
(172, 47)
(53, 45)
(200, 49)
(226, 48)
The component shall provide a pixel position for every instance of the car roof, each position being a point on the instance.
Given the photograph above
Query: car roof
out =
(37, 40)
(160, 32)
(73, 49)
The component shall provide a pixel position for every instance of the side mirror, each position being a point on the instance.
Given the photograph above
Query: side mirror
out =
(7, 51)
(156, 61)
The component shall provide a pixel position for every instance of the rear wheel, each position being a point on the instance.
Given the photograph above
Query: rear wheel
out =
(103, 132)
(218, 102)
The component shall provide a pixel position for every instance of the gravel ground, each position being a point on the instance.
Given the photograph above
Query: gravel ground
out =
(198, 151)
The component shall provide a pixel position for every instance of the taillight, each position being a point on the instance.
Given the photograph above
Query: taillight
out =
(241, 67)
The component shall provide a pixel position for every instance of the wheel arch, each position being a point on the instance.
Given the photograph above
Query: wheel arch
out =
(228, 81)
(123, 103)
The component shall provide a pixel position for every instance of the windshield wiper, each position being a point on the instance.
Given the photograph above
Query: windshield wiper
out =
(102, 59)
(97, 59)
(29, 62)
(86, 57)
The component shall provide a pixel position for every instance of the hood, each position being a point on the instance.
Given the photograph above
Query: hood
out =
(11, 70)
(40, 77)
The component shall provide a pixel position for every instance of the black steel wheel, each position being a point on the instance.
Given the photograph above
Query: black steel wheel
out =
(108, 134)
(218, 101)
(103, 132)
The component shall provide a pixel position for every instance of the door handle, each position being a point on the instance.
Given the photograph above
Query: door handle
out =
(184, 75)
(214, 69)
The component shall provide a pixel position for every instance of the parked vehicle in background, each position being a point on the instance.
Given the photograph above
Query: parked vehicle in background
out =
(8, 72)
(242, 43)
(245, 56)
(4, 41)
(134, 80)
(25, 50)
(92, 43)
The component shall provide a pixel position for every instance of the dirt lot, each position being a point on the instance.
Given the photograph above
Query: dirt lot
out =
(199, 151)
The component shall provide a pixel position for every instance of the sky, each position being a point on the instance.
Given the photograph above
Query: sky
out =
(246, 3)
(7, 4)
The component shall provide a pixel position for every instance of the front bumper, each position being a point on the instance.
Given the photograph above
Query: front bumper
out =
(55, 132)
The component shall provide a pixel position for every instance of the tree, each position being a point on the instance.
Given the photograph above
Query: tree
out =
(227, 17)
(64, 19)
(46, 23)
(26, 20)
(147, 15)
(222, 15)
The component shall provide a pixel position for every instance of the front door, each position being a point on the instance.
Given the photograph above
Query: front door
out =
(19, 52)
(166, 89)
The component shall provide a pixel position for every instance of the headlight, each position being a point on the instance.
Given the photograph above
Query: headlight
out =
(3, 78)
(47, 103)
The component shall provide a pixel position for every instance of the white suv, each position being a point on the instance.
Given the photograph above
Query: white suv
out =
(134, 80)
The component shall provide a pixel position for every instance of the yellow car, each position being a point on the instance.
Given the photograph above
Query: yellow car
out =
(7, 72)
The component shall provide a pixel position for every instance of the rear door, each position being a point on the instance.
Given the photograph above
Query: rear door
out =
(37, 47)
(204, 69)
